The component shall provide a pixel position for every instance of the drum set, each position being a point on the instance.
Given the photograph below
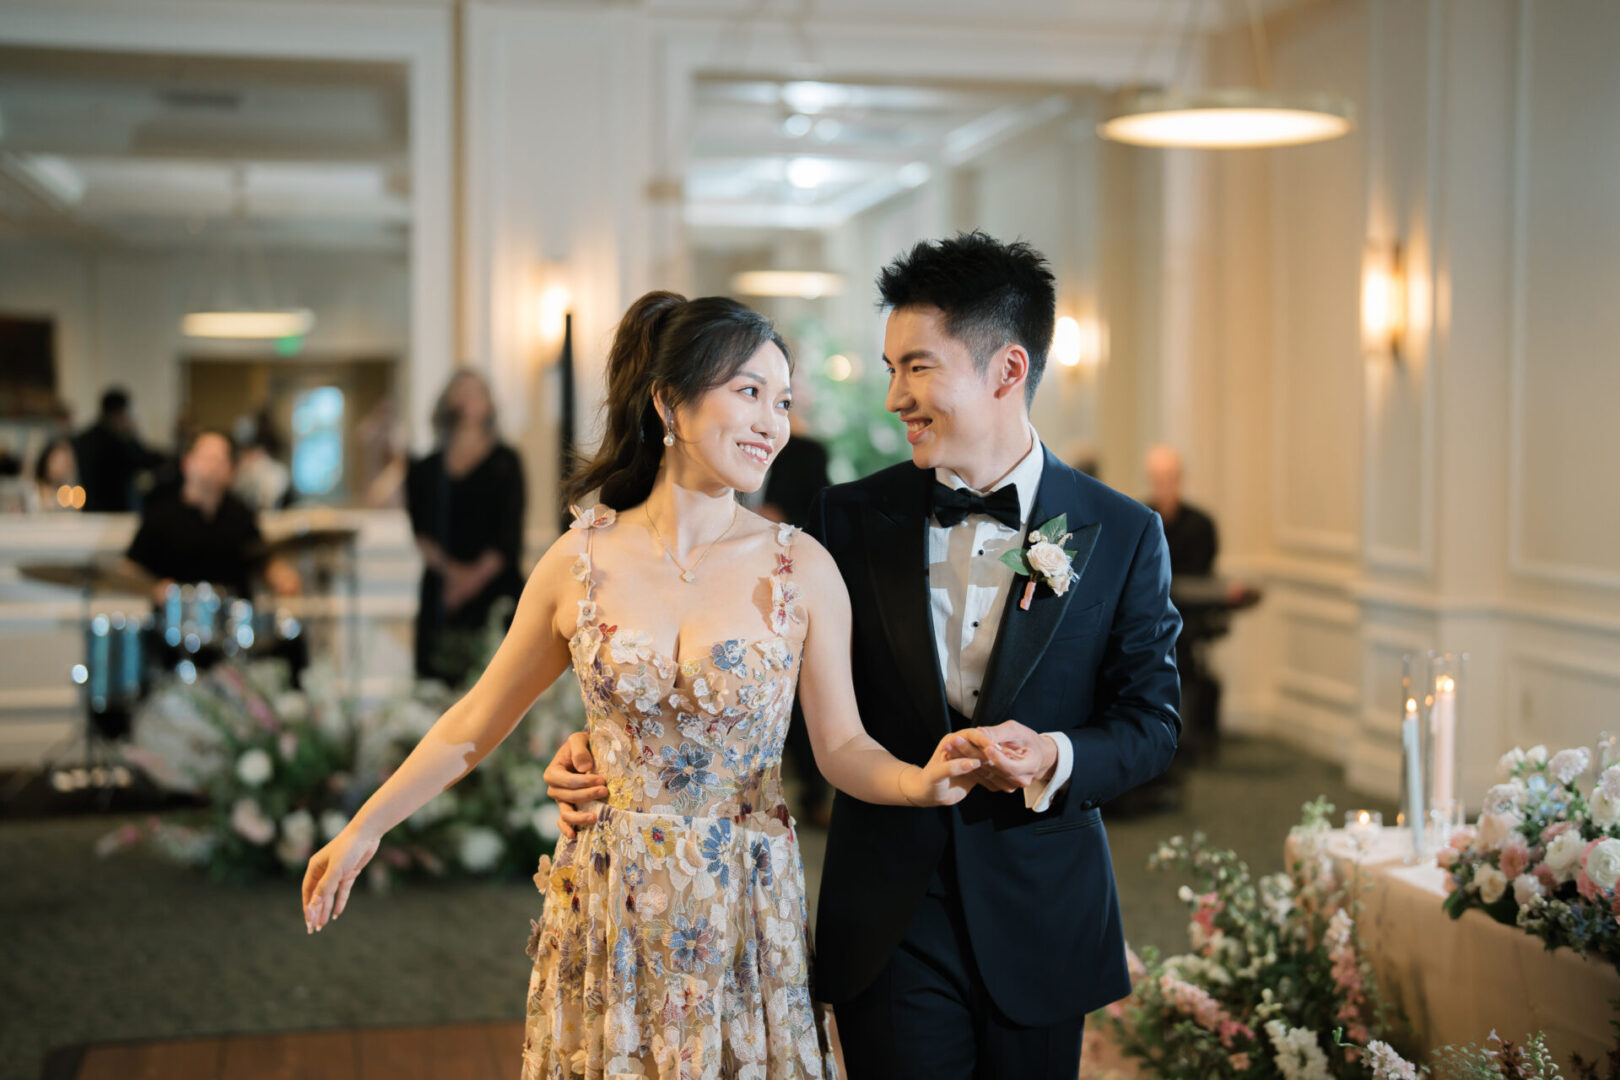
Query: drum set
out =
(182, 632)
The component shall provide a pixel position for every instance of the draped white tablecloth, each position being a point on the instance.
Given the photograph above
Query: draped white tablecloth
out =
(1458, 980)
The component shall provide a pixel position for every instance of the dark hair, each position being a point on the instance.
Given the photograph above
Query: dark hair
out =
(45, 456)
(670, 346)
(445, 414)
(114, 401)
(992, 295)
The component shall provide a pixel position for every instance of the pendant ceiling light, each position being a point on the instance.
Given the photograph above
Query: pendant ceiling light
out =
(1232, 117)
(802, 284)
(243, 307)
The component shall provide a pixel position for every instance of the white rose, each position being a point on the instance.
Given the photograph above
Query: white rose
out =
(1502, 798)
(546, 820)
(481, 849)
(1564, 855)
(1536, 756)
(291, 706)
(1510, 762)
(1610, 781)
(1496, 829)
(1051, 563)
(251, 823)
(1492, 884)
(297, 838)
(254, 767)
(1605, 808)
(1566, 765)
(1603, 864)
(1526, 888)
(332, 823)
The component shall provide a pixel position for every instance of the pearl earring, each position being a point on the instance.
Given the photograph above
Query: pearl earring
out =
(669, 438)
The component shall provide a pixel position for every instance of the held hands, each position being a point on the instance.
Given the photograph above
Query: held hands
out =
(1013, 755)
(572, 781)
(332, 872)
(948, 776)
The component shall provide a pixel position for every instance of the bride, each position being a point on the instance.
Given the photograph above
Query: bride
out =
(674, 938)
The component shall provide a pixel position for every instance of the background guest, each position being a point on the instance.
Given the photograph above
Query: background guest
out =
(111, 457)
(466, 504)
(1189, 532)
(262, 481)
(56, 468)
(202, 532)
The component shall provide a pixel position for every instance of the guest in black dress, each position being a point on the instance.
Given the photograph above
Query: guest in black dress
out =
(466, 502)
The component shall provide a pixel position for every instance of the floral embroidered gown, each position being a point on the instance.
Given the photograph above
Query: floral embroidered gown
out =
(674, 941)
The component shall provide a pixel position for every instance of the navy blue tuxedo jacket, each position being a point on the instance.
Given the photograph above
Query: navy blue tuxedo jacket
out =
(1097, 663)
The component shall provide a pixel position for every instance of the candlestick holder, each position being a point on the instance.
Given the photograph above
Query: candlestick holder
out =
(1432, 686)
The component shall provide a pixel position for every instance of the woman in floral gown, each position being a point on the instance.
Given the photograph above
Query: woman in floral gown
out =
(674, 939)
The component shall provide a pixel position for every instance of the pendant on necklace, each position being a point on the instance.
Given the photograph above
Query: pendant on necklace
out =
(687, 575)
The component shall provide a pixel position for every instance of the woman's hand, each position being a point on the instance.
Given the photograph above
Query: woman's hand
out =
(332, 872)
(946, 779)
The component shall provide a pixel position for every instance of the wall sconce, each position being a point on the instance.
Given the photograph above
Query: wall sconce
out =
(1383, 301)
(545, 305)
(1077, 342)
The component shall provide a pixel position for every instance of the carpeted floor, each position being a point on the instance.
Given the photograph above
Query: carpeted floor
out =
(134, 947)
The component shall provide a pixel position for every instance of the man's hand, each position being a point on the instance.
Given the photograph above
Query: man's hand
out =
(573, 783)
(1014, 756)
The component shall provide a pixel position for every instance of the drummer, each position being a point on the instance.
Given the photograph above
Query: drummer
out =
(201, 532)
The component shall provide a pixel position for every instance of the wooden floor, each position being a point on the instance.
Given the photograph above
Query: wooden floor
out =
(450, 1052)
(447, 1052)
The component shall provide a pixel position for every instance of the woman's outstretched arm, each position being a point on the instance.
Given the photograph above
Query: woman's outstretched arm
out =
(531, 656)
(847, 756)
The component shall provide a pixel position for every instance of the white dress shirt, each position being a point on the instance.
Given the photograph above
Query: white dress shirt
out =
(968, 589)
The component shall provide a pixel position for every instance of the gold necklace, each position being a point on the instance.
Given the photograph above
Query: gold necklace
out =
(688, 573)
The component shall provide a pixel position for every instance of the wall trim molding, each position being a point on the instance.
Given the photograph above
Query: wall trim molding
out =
(1521, 564)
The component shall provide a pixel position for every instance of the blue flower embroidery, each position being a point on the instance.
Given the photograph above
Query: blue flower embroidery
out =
(691, 944)
(687, 769)
(729, 656)
(714, 848)
(760, 856)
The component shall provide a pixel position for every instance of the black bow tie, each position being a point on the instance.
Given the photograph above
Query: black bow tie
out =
(953, 505)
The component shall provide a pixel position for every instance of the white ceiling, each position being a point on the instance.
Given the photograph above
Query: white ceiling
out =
(170, 151)
(810, 155)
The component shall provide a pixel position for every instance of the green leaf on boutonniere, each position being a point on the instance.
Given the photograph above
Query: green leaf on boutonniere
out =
(1053, 530)
(1016, 559)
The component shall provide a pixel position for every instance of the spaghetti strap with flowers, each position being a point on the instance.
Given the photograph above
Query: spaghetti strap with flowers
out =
(674, 941)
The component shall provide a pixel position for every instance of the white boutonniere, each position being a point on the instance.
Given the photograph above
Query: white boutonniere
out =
(1044, 559)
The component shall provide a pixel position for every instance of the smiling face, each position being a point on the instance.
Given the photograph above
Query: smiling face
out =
(730, 434)
(955, 415)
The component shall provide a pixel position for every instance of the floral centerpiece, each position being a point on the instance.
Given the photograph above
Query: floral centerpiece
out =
(282, 769)
(1274, 970)
(1545, 852)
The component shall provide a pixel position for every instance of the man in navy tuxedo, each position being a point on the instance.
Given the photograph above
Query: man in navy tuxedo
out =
(971, 940)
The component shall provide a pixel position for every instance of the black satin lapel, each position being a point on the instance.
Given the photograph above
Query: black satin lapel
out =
(897, 561)
(1025, 635)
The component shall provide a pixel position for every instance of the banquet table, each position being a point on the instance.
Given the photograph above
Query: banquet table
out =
(1458, 980)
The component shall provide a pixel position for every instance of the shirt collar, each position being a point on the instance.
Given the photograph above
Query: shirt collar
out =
(1026, 474)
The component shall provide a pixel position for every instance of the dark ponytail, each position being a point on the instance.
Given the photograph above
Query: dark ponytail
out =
(665, 343)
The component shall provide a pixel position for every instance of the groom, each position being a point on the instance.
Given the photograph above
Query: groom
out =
(971, 941)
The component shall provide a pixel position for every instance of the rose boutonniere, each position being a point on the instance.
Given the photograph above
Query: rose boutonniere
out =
(1044, 559)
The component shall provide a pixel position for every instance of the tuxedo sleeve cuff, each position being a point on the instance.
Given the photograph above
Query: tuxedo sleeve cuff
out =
(1038, 796)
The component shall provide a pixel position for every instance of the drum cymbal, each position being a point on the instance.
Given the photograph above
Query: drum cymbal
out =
(304, 539)
(91, 576)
